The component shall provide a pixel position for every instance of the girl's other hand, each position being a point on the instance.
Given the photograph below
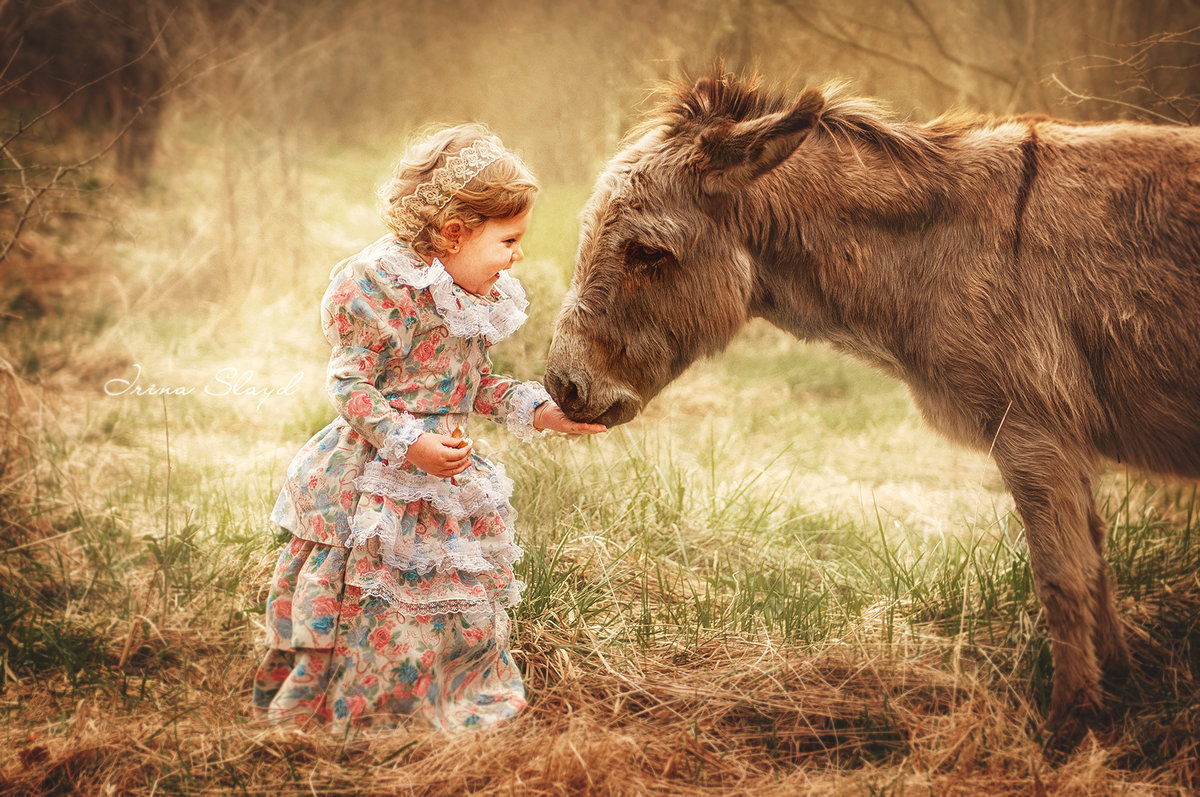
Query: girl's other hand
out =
(439, 454)
(549, 416)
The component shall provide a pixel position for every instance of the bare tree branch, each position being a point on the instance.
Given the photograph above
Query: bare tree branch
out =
(844, 40)
(1140, 77)
(1093, 98)
(84, 87)
(32, 194)
(27, 213)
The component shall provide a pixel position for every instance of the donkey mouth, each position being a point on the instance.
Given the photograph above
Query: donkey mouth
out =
(623, 410)
(620, 411)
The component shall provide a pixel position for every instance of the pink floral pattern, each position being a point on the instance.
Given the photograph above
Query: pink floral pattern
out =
(390, 600)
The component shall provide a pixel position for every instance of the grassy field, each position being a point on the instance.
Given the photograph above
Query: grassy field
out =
(776, 581)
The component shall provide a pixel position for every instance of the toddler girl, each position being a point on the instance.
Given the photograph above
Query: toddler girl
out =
(389, 600)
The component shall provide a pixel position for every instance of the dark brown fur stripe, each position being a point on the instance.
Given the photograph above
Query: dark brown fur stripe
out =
(1029, 170)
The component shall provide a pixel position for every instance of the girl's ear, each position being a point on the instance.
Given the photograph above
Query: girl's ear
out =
(453, 231)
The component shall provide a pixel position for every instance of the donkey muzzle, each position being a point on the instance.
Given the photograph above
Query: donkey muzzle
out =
(588, 398)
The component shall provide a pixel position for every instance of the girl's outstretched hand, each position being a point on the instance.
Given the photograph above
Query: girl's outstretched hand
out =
(439, 454)
(550, 416)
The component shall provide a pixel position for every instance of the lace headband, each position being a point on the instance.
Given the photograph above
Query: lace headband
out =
(443, 184)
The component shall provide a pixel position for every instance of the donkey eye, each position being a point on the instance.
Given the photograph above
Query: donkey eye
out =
(641, 256)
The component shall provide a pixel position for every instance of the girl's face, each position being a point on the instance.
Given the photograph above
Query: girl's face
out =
(485, 252)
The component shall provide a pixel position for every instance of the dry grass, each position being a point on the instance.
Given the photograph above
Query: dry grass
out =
(738, 717)
(882, 709)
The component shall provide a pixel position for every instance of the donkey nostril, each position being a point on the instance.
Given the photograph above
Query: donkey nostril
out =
(561, 387)
(570, 394)
(569, 387)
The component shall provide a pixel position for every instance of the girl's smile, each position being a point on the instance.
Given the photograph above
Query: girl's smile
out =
(485, 252)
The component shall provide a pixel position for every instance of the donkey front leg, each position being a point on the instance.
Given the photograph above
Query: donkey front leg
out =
(1049, 484)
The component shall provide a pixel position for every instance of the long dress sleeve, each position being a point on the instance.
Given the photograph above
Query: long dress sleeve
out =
(509, 401)
(360, 322)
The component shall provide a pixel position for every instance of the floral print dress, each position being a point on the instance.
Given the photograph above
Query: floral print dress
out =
(390, 600)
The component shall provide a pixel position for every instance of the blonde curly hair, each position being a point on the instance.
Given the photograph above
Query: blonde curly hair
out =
(502, 189)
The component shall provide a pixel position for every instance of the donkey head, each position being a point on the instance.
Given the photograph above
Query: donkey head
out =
(663, 274)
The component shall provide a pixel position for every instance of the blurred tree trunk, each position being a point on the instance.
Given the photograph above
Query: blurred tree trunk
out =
(104, 63)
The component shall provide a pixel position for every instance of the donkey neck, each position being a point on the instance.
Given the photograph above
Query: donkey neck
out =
(861, 245)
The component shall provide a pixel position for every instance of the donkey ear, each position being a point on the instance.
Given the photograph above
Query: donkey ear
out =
(732, 155)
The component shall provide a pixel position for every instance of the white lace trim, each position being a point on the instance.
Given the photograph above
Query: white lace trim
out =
(475, 610)
(395, 447)
(409, 558)
(527, 397)
(470, 317)
(479, 495)
(464, 314)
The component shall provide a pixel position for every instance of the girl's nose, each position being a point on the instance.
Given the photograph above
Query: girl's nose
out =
(518, 253)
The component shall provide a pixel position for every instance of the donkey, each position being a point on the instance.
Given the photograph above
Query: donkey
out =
(1035, 283)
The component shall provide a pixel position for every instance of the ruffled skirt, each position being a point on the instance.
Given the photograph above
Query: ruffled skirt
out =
(407, 617)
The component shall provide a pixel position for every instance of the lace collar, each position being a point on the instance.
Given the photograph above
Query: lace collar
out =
(466, 315)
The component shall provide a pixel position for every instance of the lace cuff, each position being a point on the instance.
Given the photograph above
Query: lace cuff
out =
(527, 397)
(395, 447)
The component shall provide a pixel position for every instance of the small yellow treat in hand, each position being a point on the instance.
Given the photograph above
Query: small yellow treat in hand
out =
(458, 434)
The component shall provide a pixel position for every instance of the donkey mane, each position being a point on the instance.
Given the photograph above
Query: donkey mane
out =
(845, 120)
(722, 97)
